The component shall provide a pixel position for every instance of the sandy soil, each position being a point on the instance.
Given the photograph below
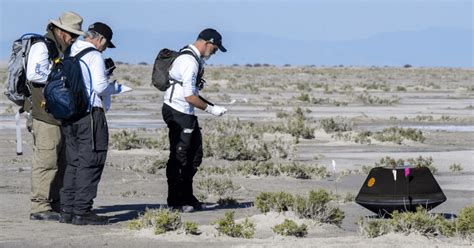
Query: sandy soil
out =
(448, 141)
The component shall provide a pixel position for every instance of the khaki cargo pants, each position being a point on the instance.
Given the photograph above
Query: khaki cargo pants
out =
(49, 161)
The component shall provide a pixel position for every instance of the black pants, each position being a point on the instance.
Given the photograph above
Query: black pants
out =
(185, 155)
(86, 150)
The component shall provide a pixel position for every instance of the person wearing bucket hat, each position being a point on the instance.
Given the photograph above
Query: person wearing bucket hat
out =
(180, 100)
(49, 159)
(87, 149)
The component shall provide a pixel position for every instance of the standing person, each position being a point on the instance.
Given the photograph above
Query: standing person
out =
(178, 112)
(49, 158)
(87, 138)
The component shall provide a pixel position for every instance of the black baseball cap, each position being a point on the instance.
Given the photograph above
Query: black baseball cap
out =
(211, 35)
(105, 31)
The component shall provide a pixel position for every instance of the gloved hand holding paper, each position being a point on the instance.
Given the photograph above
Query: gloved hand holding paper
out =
(216, 110)
(120, 88)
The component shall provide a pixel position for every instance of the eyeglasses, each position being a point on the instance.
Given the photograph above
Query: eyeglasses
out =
(214, 47)
(73, 36)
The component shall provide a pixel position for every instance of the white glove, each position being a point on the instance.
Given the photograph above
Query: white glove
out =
(215, 110)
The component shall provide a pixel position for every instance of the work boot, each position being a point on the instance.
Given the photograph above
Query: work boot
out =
(181, 209)
(89, 218)
(45, 215)
(189, 198)
(65, 218)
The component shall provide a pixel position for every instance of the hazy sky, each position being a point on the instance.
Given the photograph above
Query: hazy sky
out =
(318, 20)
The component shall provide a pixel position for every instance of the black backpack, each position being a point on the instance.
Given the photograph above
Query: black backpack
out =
(161, 69)
(65, 93)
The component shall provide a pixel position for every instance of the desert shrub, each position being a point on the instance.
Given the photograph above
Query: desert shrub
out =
(223, 189)
(126, 140)
(317, 206)
(167, 221)
(303, 97)
(339, 125)
(279, 202)
(349, 197)
(363, 137)
(290, 228)
(397, 135)
(367, 99)
(234, 140)
(281, 114)
(420, 222)
(423, 162)
(294, 169)
(375, 86)
(416, 162)
(388, 161)
(296, 124)
(401, 88)
(424, 118)
(161, 220)
(191, 228)
(455, 168)
(303, 86)
(297, 127)
(465, 221)
(263, 202)
(372, 228)
(227, 226)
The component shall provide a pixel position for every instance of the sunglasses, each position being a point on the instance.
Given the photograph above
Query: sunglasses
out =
(214, 48)
(73, 36)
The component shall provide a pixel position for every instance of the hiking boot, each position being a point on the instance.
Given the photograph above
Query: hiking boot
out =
(45, 215)
(182, 209)
(65, 218)
(198, 206)
(89, 218)
(187, 209)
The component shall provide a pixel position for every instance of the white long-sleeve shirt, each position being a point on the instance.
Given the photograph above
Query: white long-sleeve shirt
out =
(101, 88)
(184, 69)
(39, 65)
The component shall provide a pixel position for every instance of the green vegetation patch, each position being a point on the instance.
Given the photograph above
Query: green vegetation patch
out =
(290, 228)
(227, 226)
(319, 205)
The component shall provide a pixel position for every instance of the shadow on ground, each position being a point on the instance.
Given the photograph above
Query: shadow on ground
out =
(125, 212)
(128, 212)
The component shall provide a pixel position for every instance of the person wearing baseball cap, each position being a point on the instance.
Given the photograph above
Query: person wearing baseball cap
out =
(49, 160)
(180, 102)
(212, 36)
(105, 31)
(87, 150)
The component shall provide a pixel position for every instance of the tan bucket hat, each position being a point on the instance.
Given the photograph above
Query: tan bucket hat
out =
(69, 21)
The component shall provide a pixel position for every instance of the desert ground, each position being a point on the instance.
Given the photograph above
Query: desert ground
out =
(276, 115)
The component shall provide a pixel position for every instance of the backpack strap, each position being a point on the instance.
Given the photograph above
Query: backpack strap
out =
(83, 52)
(190, 51)
(186, 50)
(78, 57)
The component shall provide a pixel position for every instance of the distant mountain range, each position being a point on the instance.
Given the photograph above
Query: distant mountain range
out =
(440, 47)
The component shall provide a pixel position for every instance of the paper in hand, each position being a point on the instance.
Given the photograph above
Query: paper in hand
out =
(125, 89)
